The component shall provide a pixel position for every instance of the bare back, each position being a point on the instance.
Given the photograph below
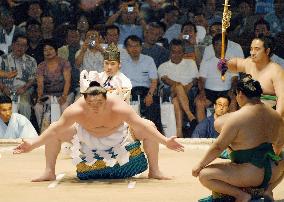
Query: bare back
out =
(99, 124)
(250, 126)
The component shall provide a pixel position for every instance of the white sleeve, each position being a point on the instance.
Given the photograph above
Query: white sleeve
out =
(203, 69)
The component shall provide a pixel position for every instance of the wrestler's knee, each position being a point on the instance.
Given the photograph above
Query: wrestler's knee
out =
(204, 176)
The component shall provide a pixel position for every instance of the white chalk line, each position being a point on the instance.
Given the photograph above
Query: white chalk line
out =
(54, 184)
(132, 183)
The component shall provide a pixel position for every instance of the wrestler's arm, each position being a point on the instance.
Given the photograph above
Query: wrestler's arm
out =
(236, 65)
(227, 135)
(66, 120)
(146, 130)
(278, 83)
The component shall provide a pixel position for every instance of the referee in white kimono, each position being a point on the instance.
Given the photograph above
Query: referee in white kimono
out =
(13, 125)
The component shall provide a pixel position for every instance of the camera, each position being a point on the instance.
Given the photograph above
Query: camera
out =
(92, 43)
(186, 37)
(130, 8)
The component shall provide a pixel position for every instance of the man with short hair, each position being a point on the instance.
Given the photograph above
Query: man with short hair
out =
(100, 122)
(205, 129)
(13, 125)
(178, 76)
(249, 137)
(211, 86)
(269, 74)
(142, 72)
(150, 46)
(24, 67)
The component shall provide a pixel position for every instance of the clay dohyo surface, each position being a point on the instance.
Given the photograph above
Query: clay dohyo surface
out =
(17, 171)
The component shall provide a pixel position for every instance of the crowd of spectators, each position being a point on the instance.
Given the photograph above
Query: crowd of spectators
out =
(168, 49)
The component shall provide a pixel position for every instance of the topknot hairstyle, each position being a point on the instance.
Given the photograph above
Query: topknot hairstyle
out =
(250, 87)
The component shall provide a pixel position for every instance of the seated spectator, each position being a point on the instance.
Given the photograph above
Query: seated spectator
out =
(83, 25)
(90, 57)
(128, 20)
(152, 11)
(68, 52)
(35, 46)
(211, 14)
(189, 36)
(233, 49)
(205, 129)
(263, 7)
(171, 15)
(211, 86)
(53, 79)
(7, 31)
(276, 18)
(13, 125)
(142, 72)
(33, 12)
(19, 69)
(150, 48)
(242, 23)
(162, 41)
(112, 34)
(47, 27)
(178, 75)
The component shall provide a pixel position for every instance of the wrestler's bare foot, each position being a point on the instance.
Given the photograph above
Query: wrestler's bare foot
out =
(47, 176)
(158, 175)
(243, 198)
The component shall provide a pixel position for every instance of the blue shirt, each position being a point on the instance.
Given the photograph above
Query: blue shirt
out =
(139, 72)
(205, 129)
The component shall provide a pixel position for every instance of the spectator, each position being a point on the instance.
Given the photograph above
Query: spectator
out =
(68, 52)
(178, 75)
(24, 67)
(129, 21)
(83, 25)
(205, 129)
(264, 6)
(142, 72)
(189, 36)
(171, 15)
(112, 34)
(276, 19)
(90, 57)
(210, 12)
(150, 48)
(233, 49)
(152, 11)
(7, 31)
(13, 125)
(242, 23)
(34, 12)
(53, 79)
(47, 26)
(210, 84)
(35, 46)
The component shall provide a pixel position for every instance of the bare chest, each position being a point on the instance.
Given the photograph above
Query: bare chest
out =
(265, 79)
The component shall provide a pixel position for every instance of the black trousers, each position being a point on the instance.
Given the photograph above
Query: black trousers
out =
(152, 112)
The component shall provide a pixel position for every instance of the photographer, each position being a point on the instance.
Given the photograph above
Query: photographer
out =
(188, 35)
(89, 57)
(129, 20)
